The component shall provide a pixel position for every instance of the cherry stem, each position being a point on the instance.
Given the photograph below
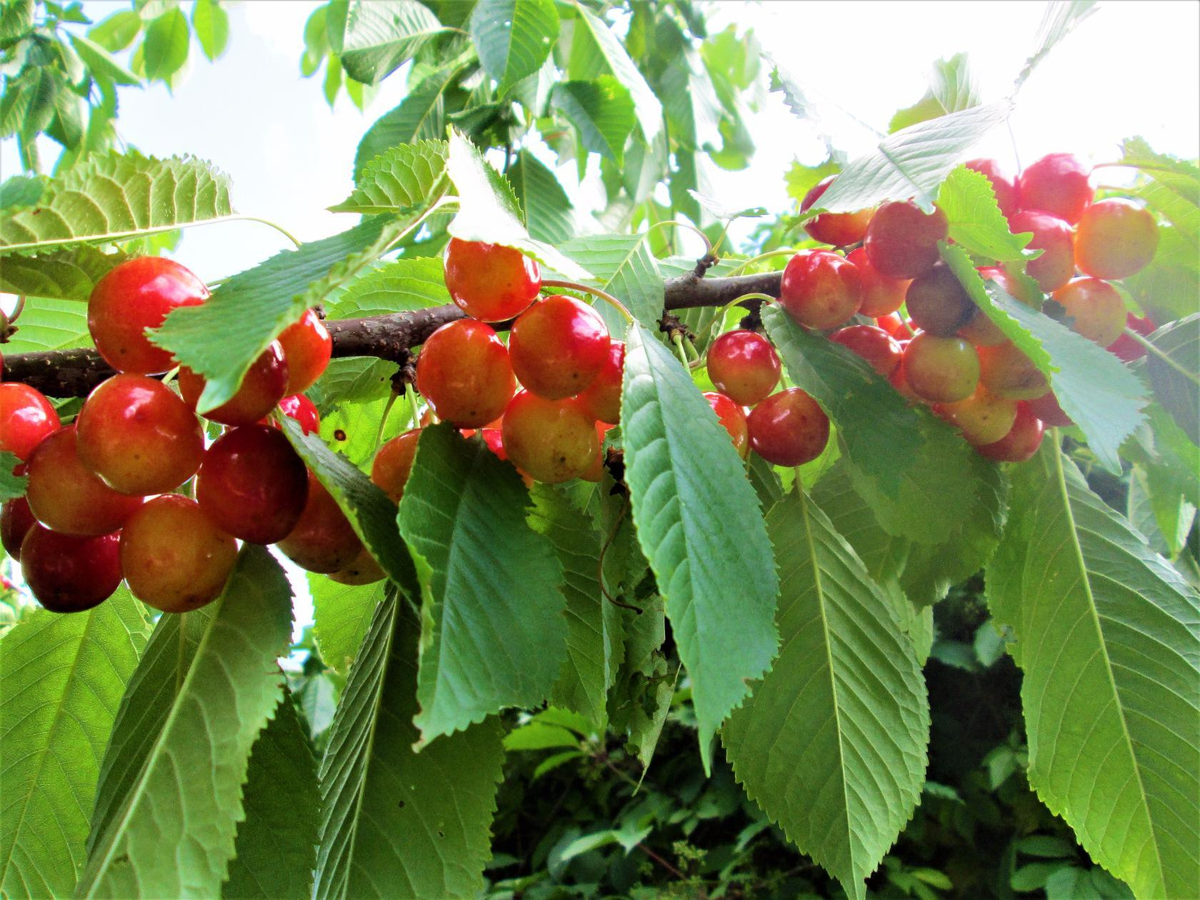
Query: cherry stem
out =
(737, 301)
(387, 409)
(584, 289)
(410, 396)
(770, 254)
(1152, 348)
(18, 309)
(677, 340)
(708, 245)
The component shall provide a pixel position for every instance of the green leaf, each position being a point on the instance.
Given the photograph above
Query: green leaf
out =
(376, 37)
(1173, 372)
(399, 180)
(21, 190)
(1167, 288)
(1173, 188)
(1158, 512)
(493, 633)
(640, 699)
(276, 846)
(61, 678)
(100, 62)
(401, 285)
(601, 111)
(1059, 20)
(540, 736)
(173, 833)
(699, 523)
(548, 211)
(952, 88)
(341, 614)
(118, 31)
(1105, 635)
(832, 743)
(165, 48)
(622, 265)
(882, 554)
(59, 274)
(50, 325)
(396, 823)
(976, 223)
(211, 24)
(117, 197)
(595, 51)
(513, 38)
(11, 486)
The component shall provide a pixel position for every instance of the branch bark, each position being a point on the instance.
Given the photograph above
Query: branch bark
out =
(73, 373)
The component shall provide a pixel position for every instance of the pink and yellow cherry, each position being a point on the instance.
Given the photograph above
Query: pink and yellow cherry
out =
(558, 347)
(602, 398)
(1002, 185)
(902, 241)
(465, 374)
(1053, 236)
(138, 436)
(1007, 372)
(1020, 290)
(982, 331)
(1022, 440)
(26, 416)
(1047, 409)
(881, 295)
(552, 440)
(983, 418)
(68, 497)
(938, 303)
(820, 289)
(1125, 347)
(68, 573)
(1115, 238)
(323, 540)
(393, 463)
(1058, 184)
(789, 428)
(361, 570)
(940, 369)
(839, 229)
(252, 484)
(490, 282)
(173, 557)
(1096, 307)
(263, 387)
(302, 411)
(136, 295)
(15, 522)
(744, 366)
(732, 418)
(307, 347)
(873, 344)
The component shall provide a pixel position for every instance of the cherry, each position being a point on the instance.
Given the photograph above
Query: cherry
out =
(982, 331)
(1002, 185)
(982, 418)
(68, 573)
(263, 386)
(1127, 348)
(66, 496)
(789, 428)
(323, 540)
(602, 398)
(937, 301)
(820, 289)
(1056, 265)
(361, 570)
(552, 440)
(393, 463)
(1021, 291)
(902, 241)
(1022, 440)
(558, 346)
(873, 344)
(15, 522)
(490, 282)
(1096, 307)
(900, 382)
(1007, 372)
(880, 295)
(1115, 238)
(940, 369)
(26, 416)
(302, 410)
(465, 374)
(494, 439)
(744, 366)
(138, 436)
(1047, 409)
(307, 347)
(1058, 184)
(252, 484)
(136, 295)
(732, 418)
(173, 557)
(838, 229)
(897, 327)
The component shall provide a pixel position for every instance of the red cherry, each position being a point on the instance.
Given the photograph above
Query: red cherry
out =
(1007, 372)
(1047, 409)
(15, 522)
(490, 282)
(173, 557)
(323, 540)
(558, 346)
(1115, 238)
(880, 295)
(1127, 348)
(138, 436)
(361, 570)
(744, 366)
(465, 374)
(307, 347)
(393, 463)
(982, 418)
(940, 369)
(1056, 265)
(1059, 184)
(261, 389)
(1002, 185)
(938, 303)
(252, 484)
(902, 241)
(873, 344)
(68, 573)
(303, 411)
(602, 398)
(26, 416)
(66, 496)
(895, 326)
(838, 229)
(820, 289)
(732, 418)
(1022, 440)
(552, 440)
(494, 439)
(1096, 307)
(136, 295)
(788, 428)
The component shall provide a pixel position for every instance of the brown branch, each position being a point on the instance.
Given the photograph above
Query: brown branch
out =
(73, 373)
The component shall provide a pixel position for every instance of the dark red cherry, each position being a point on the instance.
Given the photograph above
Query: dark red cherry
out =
(262, 388)
(66, 573)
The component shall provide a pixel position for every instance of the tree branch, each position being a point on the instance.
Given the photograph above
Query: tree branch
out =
(73, 373)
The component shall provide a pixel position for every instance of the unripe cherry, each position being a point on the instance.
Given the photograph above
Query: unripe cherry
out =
(1002, 185)
(393, 463)
(465, 374)
(1115, 238)
(307, 347)
(138, 436)
(880, 295)
(68, 573)
(173, 557)
(1047, 408)
(1022, 440)
(1125, 347)
(66, 496)
(302, 411)
(1052, 235)
(1059, 184)
(262, 388)
(15, 522)
(940, 369)
(552, 440)
(1096, 307)
(982, 418)
(602, 398)
(902, 241)
(323, 540)
(839, 229)
(136, 295)
(820, 289)
(490, 282)
(1007, 372)
(873, 344)
(744, 366)
(732, 418)
(558, 346)
(789, 428)
(26, 416)
(937, 301)
(361, 570)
